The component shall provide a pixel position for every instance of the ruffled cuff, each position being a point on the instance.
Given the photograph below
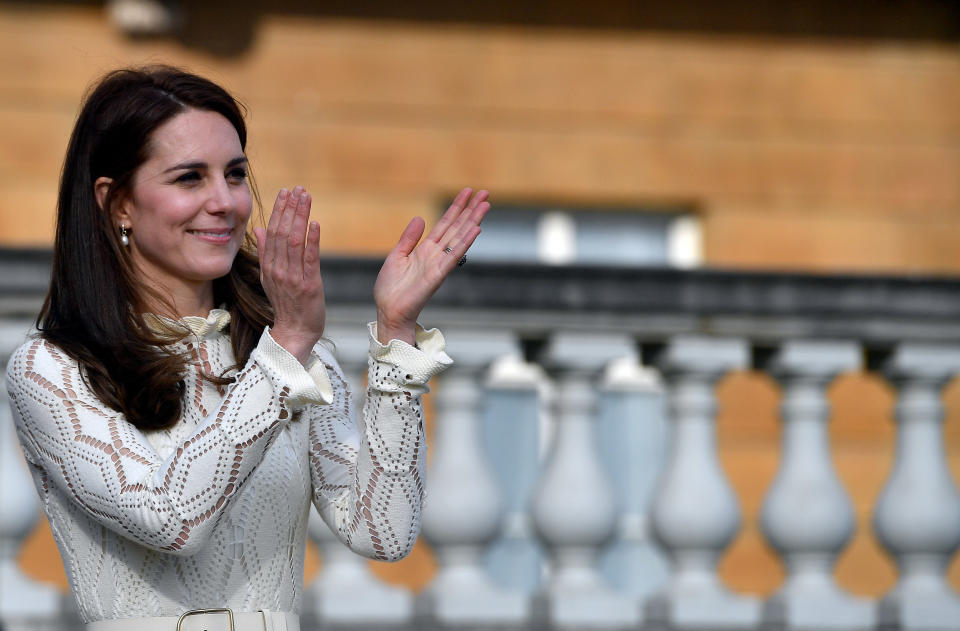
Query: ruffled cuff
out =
(419, 363)
(305, 386)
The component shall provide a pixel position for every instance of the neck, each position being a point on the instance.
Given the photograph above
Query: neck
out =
(186, 299)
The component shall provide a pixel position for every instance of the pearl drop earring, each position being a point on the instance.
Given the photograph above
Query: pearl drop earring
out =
(124, 239)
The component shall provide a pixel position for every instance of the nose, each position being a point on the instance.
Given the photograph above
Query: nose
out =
(219, 200)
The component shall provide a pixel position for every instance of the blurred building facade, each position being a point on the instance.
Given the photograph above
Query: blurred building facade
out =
(801, 137)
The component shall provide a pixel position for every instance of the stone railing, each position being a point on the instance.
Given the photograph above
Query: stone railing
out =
(575, 480)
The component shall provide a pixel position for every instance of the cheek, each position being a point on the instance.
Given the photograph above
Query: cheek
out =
(244, 206)
(157, 210)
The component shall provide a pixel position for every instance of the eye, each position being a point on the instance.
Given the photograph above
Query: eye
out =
(188, 178)
(237, 174)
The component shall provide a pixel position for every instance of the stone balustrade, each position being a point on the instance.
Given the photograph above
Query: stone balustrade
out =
(575, 480)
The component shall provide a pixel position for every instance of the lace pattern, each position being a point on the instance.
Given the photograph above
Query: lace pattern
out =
(213, 511)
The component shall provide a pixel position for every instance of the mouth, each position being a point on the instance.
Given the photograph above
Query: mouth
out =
(213, 236)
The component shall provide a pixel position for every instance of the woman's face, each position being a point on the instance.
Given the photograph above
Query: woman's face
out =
(189, 204)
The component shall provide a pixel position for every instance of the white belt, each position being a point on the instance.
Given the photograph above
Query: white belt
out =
(205, 620)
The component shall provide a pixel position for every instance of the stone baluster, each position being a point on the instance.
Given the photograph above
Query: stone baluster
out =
(807, 515)
(24, 603)
(632, 432)
(346, 593)
(464, 506)
(574, 507)
(511, 438)
(695, 511)
(917, 517)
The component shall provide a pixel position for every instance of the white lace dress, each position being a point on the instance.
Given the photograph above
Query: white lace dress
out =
(213, 512)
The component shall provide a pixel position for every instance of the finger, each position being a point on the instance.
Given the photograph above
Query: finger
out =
(460, 247)
(410, 237)
(481, 207)
(481, 196)
(467, 215)
(296, 237)
(311, 252)
(269, 251)
(281, 256)
(261, 236)
(454, 211)
(472, 216)
(480, 212)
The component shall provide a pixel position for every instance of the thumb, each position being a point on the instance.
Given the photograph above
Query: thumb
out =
(410, 237)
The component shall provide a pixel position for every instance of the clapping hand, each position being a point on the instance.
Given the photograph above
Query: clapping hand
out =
(415, 269)
(290, 273)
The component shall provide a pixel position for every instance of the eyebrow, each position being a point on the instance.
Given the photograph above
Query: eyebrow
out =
(203, 165)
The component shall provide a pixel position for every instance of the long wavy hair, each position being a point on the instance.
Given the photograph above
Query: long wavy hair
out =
(95, 305)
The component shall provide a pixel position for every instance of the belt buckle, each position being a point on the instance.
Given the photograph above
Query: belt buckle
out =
(197, 612)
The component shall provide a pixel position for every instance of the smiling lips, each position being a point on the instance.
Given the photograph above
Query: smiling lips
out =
(213, 236)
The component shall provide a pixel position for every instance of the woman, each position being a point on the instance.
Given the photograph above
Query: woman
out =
(178, 409)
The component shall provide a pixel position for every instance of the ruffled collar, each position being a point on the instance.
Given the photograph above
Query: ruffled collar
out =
(217, 320)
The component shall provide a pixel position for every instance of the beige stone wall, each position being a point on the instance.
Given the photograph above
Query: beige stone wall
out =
(798, 154)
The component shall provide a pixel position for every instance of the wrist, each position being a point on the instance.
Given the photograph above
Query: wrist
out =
(297, 344)
(391, 330)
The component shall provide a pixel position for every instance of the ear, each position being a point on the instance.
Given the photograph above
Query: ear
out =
(118, 211)
(100, 189)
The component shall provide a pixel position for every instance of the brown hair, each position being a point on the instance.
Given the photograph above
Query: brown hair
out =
(93, 310)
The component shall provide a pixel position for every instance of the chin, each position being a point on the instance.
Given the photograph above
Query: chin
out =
(220, 273)
(214, 272)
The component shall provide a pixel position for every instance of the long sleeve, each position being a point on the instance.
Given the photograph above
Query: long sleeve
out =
(110, 470)
(368, 477)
